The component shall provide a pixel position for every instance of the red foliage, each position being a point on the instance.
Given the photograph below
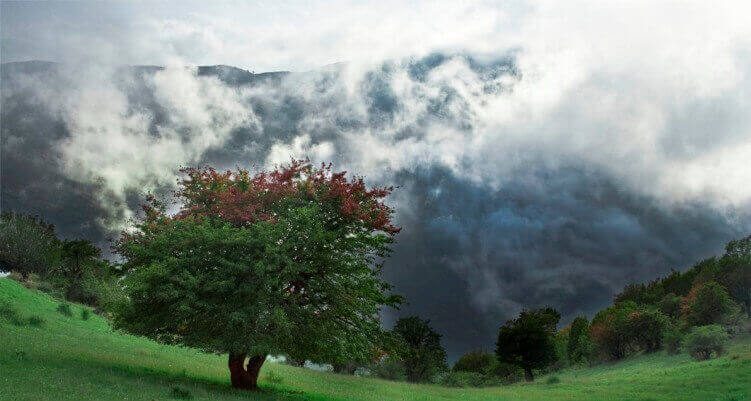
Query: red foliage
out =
(242, 198)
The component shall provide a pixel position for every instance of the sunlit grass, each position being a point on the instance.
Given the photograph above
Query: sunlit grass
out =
(69, 358)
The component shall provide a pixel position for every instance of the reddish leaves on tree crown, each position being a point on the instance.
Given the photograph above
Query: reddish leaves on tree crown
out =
(242, 198)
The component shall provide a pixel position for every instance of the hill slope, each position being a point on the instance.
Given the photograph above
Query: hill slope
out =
(68, 358)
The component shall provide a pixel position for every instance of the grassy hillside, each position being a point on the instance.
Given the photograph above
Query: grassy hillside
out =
(68, 358)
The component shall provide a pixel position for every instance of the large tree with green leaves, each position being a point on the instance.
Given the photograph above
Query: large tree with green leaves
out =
(279, 262)
(527, 341)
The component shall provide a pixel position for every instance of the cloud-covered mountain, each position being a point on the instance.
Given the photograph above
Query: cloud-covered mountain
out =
(510, 194)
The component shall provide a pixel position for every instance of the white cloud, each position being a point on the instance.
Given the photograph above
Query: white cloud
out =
(602, 84)
(112, 142)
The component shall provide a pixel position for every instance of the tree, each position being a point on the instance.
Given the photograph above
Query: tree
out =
(78, 257)
(640, 293)
(27, 245)
(279, 262)
(706, 303)
(421, 350)
(646, 327)
(670, 305)
(579, 345)
(527, 341)
(627, 327)
(735, 272)
(609, 330)
(739, 248)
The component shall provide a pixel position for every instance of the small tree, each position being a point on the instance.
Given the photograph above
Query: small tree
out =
(27, 245)
(707, 303)
(645, 329)
(609, 330)
(79, 258)
(421, 350)
(704, 341)
(735, 272)
(527, 341)
(579, 346)
(280, 262)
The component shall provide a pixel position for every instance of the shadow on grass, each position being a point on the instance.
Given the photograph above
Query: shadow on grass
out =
(169, 380)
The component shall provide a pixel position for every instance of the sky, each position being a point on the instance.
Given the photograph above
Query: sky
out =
(544, 153)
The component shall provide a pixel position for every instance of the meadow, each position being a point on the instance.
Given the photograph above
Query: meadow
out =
(60, 357)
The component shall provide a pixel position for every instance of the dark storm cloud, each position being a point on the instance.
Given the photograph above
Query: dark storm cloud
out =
(470, 258)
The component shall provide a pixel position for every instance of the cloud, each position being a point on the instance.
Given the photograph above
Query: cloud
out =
(545, 154)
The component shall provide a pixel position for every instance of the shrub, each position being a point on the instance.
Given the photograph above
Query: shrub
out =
(85, 314)
(553, 380)
(389, 368)
(704, 341)
(463, 379)
(506, 373)
(64, 309)
(707, 303)
(475, 361)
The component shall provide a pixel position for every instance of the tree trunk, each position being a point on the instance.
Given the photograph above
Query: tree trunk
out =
(245, 376)
(528, 375)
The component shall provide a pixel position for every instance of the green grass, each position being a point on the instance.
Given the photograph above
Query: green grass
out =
(69, 358)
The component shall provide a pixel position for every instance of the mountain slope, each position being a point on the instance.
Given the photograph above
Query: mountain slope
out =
(69, 358)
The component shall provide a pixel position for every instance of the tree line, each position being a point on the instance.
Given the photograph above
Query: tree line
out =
(288, 262)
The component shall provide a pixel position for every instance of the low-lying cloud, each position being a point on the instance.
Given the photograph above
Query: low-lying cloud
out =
(544, 154)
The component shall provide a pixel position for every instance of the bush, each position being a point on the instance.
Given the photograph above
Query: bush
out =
(553, 380)
(705, 341)
(475, 361)
(85, 314)
(463, 379)
(64, 309)
(505, 373)
(390, 368)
